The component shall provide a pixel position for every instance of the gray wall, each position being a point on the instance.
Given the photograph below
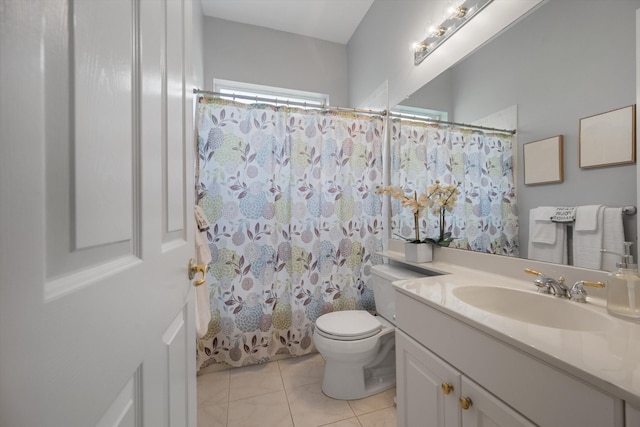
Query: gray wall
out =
(567, 60)
(381, 49)
(251, 54)
(372, 50)
(438, 94)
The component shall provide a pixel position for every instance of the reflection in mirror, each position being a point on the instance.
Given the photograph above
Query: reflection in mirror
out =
(553, 69)
(479, 164)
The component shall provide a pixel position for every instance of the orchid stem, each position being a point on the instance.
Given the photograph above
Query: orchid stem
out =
(415, 218)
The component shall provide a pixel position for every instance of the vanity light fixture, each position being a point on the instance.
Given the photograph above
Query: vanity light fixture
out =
(460, 12)
(440, 31)
(458, 16)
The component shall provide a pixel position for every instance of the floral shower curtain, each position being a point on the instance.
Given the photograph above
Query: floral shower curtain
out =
(295, 223)
(485, 218)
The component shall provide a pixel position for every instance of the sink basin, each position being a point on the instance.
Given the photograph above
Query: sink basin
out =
(542, 310)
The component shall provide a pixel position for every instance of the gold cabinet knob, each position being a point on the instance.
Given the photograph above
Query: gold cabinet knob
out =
(195, 268)
(465, 403)
(447, 388)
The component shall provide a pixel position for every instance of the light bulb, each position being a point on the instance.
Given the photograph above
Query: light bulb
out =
(459, 12)
(420, 47)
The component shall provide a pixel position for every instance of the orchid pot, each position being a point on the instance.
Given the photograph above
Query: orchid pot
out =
(418, 252)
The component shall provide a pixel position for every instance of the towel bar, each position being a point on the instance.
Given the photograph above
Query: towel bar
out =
(627, 210)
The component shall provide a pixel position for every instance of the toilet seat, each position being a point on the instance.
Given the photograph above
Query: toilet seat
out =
(348, 325)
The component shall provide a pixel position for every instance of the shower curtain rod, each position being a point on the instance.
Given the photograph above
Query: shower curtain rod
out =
(428, 120)
(288, 102)
(347, 109)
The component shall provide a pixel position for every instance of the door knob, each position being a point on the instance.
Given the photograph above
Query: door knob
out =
(197, 268)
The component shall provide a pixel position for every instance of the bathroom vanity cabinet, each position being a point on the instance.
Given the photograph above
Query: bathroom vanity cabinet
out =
(442, 361)
(431, 392)
(632, 416)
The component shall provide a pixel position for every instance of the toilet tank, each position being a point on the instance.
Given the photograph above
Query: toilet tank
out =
(383, 275)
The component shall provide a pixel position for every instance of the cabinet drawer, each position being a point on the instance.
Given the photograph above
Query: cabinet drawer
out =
(542, 393)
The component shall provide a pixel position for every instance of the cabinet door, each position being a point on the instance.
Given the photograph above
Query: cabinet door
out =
(422, 398)
(632, 416)
(486, 410)
(96, 179)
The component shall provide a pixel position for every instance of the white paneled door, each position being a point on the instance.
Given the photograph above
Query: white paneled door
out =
(96, 178)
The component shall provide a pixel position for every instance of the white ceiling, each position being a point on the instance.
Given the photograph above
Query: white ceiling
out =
(332, 20)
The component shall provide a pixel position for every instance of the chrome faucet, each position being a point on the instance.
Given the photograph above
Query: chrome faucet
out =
(548, 285)
(557, 287)
(577, 292)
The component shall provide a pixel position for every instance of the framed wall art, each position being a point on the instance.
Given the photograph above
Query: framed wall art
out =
(543, 161)
(609, 138)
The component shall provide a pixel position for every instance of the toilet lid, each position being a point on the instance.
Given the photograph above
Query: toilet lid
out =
(349, 324)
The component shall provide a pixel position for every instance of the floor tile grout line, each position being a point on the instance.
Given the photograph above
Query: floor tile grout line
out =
(259, 394)
(286, 395)
(228, 399)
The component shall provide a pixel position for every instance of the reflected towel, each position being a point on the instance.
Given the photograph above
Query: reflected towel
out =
(548, 239)
(203, 308)
(541, 229)
(612, 238)
(587, 218)
(587, 237)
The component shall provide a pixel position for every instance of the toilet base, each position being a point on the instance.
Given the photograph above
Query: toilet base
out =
(345, 381)
(370, 391)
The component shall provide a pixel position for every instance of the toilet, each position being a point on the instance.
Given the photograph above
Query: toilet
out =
(358, 347)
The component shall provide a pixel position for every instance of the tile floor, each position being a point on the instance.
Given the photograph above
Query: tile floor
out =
(285, 393)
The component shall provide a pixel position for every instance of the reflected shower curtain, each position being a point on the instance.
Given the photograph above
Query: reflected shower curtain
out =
(295, 223)
(485, 219)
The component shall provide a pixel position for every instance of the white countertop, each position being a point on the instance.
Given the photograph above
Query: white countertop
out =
(608, 359)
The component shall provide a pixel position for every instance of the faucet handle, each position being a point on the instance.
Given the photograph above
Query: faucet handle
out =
(578, 293)
(535, 273)
(541, 275)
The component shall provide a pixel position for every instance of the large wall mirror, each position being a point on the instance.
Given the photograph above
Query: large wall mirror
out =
(564, 61)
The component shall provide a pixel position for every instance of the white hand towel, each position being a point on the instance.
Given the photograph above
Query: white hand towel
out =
(556, 253)
(547, 240)
(203, 308)
(587, 218)
(541, 229)
(587, 240)
(203, 252)
(201, 219)
(612, 238)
